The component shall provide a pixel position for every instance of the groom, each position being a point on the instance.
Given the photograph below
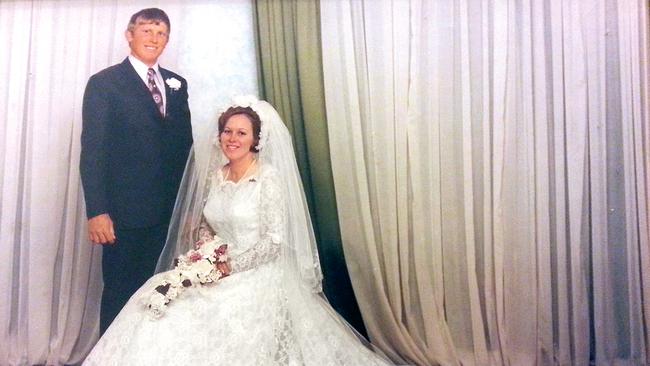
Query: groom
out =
(135, 141)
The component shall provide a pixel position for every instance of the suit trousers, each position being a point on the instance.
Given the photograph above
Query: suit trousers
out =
(126, 265)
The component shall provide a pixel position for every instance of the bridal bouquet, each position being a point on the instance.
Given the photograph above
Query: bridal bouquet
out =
(196, 267)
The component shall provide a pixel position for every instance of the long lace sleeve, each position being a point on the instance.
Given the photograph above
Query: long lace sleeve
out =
(205, 231)
(272, 218)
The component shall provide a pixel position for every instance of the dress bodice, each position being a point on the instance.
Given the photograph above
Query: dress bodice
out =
(233, 211)
(249, 216)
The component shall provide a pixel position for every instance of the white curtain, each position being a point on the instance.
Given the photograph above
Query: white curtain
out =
(49, 276)
(491, 169)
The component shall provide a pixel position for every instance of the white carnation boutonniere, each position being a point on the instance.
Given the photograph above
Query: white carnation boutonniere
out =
(173, 83)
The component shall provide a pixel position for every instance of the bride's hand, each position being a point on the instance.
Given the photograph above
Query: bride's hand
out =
(224, 267)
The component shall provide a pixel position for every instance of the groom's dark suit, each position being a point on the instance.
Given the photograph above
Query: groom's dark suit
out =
(132, 161)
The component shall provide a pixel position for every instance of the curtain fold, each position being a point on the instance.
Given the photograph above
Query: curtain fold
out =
(52, 280)
(642, 149)
(490, 161)
(288, 36)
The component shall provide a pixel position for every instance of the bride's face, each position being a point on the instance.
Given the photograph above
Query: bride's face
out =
(237, 138)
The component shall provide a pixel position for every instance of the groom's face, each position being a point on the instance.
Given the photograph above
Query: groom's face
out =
(147, 40)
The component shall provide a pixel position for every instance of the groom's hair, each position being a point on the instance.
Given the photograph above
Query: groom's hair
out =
(149, 15)
(256, 122)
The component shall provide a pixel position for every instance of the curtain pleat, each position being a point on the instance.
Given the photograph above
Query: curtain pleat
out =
(642, 153)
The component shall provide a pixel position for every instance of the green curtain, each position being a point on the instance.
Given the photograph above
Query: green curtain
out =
(291, 78)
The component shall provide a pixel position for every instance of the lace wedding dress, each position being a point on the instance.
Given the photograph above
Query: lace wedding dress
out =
(243, 319)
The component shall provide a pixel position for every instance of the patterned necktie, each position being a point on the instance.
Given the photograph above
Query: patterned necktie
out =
(155, 92)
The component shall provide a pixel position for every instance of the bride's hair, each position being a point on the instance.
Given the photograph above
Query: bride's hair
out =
(256, 122)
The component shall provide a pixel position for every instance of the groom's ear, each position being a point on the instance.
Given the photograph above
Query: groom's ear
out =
(128, 34)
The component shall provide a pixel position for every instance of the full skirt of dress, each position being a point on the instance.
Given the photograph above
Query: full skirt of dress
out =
(243, 319)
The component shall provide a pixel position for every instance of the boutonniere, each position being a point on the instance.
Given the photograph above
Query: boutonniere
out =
(173, 83)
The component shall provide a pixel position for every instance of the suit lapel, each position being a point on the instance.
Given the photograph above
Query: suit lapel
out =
(168, 93)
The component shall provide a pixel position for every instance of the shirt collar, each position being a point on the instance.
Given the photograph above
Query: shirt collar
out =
(141, 68)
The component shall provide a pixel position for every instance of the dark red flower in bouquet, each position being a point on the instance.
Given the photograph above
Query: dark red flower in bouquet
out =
(221, 250)
(195, 257)
(163, 288)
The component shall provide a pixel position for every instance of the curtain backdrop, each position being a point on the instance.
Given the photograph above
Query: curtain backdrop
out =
(491, 167)
(50, 279)
(289, 42)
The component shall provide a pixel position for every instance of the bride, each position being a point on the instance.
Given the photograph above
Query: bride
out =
(258, 301)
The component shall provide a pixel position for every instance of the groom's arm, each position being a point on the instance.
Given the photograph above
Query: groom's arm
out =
(96, 114)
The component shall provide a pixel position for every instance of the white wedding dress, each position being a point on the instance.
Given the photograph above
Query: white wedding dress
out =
(243, 319)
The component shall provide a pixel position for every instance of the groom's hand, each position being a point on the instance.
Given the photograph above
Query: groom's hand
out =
(100, 229)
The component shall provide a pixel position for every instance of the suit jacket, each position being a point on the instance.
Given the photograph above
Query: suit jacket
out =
(132, 158)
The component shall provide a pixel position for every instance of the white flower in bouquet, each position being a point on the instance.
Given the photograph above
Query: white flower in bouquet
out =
(203, 269)
(156, 305)
(214, 276)
(175, 278)
(173, 292)
(157, 299)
